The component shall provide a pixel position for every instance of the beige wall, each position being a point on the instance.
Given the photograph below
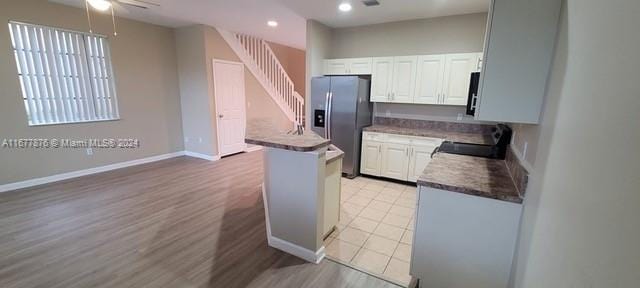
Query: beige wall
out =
(260, 106)
(198, 45)
(580, 224)
(144, 63)
(451, 34)
(198, 124)
(318, 48)
(293, 62)
(525, 142)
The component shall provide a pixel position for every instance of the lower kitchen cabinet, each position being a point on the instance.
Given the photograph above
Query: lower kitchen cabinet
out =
(468, 236)
(418, 160)
(370, 159)
(396, 156)
(395, 160)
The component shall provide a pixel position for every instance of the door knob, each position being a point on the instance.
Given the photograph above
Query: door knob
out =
(220, 116)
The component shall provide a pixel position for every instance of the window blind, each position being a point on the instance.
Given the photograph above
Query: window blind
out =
(65, 76)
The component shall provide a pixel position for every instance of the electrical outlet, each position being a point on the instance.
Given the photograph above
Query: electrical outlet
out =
(199, 139)
(460, 116)
(388, 113)
(89, 151)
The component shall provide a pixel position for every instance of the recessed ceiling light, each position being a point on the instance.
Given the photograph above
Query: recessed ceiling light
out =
(272, 23)
(101, 5)
(345, 7)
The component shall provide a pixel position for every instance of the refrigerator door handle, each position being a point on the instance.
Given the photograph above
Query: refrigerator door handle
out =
(326, 116)
(329, 108)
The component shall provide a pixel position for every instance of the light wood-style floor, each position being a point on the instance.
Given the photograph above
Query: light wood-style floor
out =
(182, 222)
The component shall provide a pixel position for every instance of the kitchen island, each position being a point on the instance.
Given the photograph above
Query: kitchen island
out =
(298, 190)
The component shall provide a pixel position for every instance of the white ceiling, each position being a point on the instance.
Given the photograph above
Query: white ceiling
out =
(251, 16)
(326, 12)
(242, 16)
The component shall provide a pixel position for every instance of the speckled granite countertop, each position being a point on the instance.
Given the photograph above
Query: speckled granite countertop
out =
(482, 177)
(264, 134)
(474, 138)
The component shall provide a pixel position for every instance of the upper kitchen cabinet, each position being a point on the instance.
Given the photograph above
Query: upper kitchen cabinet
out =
(393, 79)
(519, 47)
(430, 77)
(381, 79)
(348, 66)
(404, 79)
(444, 79)
(457, 76)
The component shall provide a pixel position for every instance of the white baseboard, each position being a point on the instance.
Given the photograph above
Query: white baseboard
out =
(293, 249)
(253, 149)
(84, 172)
(288, 247)
(201, 156)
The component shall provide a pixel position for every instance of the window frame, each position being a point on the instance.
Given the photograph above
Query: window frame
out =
(78, 79)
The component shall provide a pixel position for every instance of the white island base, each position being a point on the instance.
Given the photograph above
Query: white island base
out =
(294, 200)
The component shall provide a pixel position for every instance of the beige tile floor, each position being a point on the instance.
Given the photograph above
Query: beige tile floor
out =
(376, 227)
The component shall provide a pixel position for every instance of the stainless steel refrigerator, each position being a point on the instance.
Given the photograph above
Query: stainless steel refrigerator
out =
(340, 108)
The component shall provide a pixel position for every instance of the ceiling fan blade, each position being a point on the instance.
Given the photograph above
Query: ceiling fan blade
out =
(139, 3)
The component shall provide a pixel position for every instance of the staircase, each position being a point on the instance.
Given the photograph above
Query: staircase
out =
(264, 65)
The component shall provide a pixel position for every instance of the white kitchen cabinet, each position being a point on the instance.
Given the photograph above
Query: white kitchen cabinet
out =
(429, 79)
(395, 161)
(480, 61)
(519, 47)
(419, 158)
(396, 156)
(360, 66)
(471, 237)
(336, 67)
(332, 190)
(381, 79)
(404, 79)
(457, 76)
(348, 66)
(370, 159)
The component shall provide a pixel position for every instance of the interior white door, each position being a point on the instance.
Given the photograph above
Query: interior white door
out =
(381, 79)
(394, 161)
(370, 162)
(420, 156)
(336, 67)
(230, 106)
(404, 79)
(457, 75)
(429, 77)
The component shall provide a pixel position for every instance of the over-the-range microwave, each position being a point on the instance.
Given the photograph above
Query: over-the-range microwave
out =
(472, 101)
